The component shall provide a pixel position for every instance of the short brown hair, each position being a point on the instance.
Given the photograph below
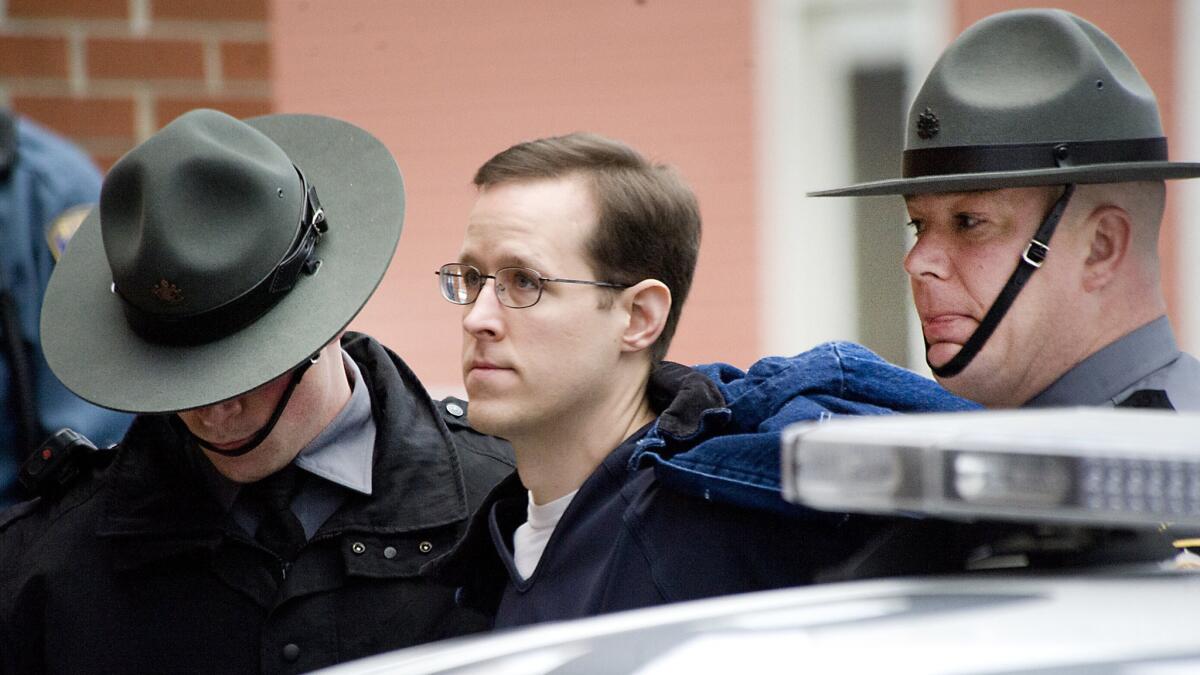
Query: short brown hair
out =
(648, 224)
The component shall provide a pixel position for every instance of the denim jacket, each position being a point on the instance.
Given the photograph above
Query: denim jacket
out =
(730, 452)
(664, 517)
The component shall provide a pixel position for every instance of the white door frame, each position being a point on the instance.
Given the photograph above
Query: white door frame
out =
(807, 50)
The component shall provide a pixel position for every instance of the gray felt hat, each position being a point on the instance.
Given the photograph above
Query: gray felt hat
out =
(1030, 97)
(223, 254)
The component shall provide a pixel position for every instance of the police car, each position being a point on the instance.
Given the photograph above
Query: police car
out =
(1112, 495)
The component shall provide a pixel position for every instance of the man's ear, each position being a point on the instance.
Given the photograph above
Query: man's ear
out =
(1110, 233)
(647, 303)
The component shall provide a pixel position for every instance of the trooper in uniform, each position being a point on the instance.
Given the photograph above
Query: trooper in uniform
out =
(46, 187)
(1033, 172)
(280, 489)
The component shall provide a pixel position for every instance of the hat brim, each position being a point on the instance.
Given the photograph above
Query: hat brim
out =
(91, 348)
(968, 182)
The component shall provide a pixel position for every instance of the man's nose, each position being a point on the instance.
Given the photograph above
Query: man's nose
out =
(928, 258)
(484, 318)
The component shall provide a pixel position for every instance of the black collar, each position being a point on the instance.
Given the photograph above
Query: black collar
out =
(157, 488)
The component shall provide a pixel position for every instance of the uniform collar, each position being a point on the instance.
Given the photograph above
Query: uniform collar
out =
(1099, 378)
(416, 480)
(343, 452)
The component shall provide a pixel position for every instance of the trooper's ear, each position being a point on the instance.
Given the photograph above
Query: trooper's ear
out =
(647, 304)
(1109, 233)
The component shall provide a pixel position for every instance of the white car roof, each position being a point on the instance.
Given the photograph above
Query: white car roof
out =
(1005, 623)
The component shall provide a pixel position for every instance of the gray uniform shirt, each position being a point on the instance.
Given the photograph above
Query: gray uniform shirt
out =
(1146, 358)
(342, 456)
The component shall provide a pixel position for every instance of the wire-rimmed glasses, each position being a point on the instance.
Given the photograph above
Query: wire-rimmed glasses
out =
(516, 287)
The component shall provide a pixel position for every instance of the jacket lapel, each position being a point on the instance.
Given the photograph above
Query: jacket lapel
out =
(160, 509)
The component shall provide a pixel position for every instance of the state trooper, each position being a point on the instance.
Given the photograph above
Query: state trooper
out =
(1033, 173)
(274, 501)
(47, 186)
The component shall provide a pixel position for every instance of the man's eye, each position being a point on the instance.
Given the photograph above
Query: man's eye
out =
(472, 278)
(524, 281)
(967, 222)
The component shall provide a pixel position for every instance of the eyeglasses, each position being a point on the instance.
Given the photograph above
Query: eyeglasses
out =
(516, 287)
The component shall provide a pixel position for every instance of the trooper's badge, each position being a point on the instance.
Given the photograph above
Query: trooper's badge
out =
(927, 124)
(62, 228)
(167, 292)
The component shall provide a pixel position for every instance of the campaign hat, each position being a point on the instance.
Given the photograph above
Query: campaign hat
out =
(1030, 97)
(223, 254)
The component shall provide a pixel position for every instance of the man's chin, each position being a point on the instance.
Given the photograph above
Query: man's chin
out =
(939, 354)
(248, 468)
(486, 417)
(977, 382)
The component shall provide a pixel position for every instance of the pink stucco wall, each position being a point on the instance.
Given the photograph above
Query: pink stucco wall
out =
(446, 84)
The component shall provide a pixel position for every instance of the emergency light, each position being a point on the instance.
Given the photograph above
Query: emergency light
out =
(1082, 465)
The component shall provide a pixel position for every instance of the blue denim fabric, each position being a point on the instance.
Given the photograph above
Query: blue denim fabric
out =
(733, 453)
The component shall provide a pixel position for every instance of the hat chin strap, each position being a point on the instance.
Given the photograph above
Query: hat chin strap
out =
(1031, 260)
(262, 433)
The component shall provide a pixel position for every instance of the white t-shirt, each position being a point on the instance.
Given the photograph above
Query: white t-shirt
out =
(531, 537)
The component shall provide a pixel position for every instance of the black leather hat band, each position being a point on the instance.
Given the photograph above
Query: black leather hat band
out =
(212, 324)
(964, 159)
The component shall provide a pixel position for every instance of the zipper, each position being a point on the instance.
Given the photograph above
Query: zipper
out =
(284, 565)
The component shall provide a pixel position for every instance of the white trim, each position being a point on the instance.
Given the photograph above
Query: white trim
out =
(1187, 147)
(213, 66)
(77, 59)
(806, 50)
(139, 17)
(143, 112)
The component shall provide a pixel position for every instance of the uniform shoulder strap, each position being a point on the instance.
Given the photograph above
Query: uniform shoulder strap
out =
(58, 462)
(1147, 398)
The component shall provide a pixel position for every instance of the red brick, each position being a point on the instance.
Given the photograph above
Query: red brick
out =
(136, 59)
(246, 60)
(33, 56)
(168, 109)
(74, 9)
(207, 10)
(78, 117)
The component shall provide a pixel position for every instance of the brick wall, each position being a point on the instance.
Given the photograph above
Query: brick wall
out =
(108, 73)
(445, 84)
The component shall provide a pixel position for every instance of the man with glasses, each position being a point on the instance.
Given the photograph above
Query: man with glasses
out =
(577, 259)
(284, 481)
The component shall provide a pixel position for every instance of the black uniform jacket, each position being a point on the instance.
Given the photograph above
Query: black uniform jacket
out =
(136, 569)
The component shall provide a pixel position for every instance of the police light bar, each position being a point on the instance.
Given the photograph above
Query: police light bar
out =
(1083, 465)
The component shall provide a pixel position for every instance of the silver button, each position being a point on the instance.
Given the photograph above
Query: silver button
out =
(389, 552)
(454, 409)
(291, 652)
(358, 547)
(424, 547)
